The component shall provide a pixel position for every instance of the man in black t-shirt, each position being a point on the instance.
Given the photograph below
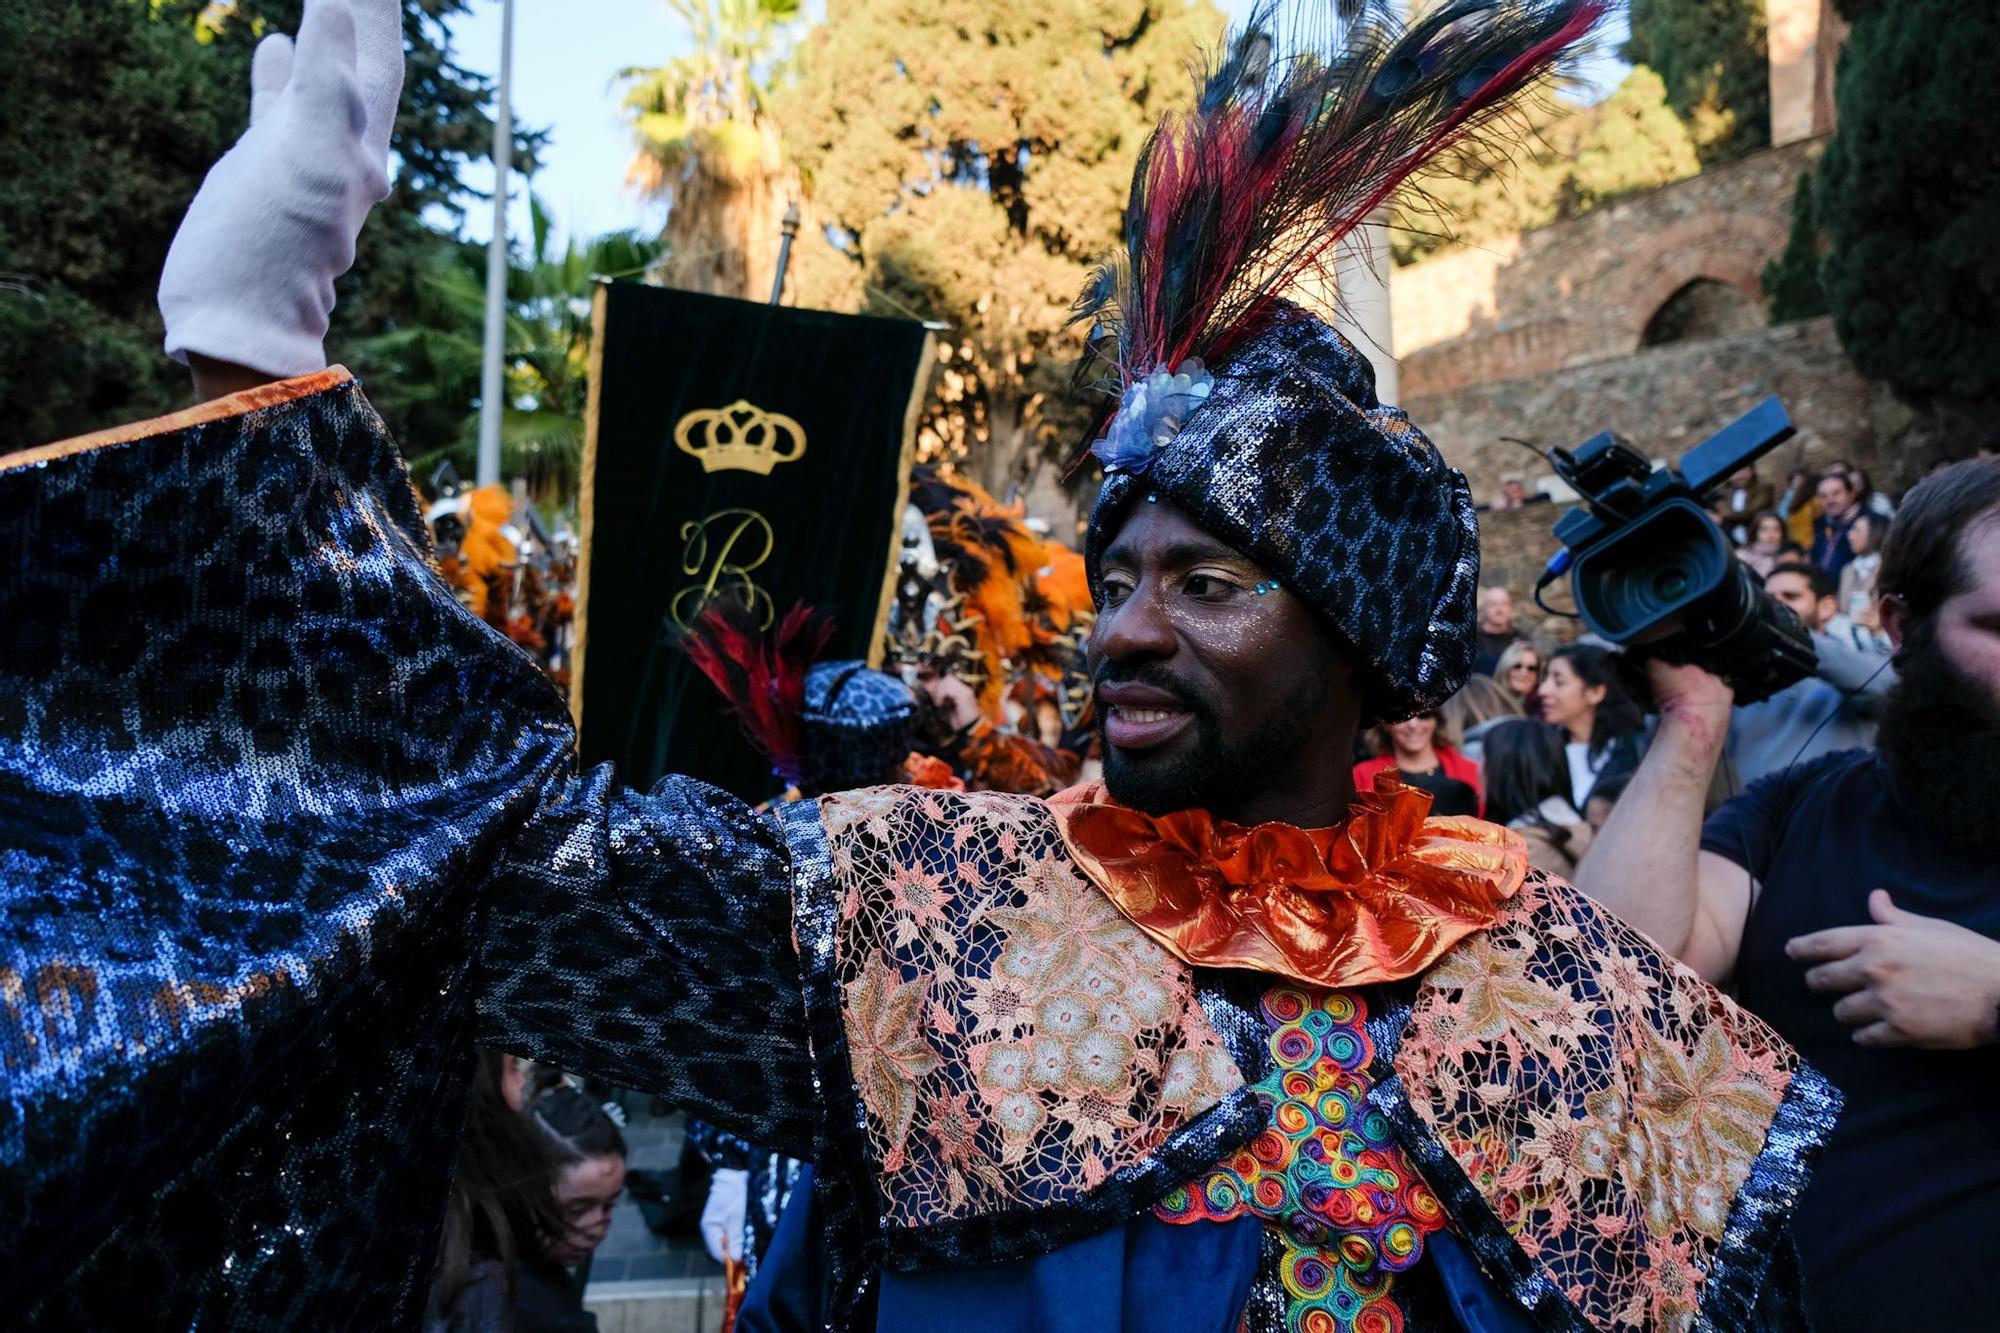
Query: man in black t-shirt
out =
(1854, 902)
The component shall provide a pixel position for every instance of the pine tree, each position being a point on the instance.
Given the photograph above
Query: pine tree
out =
(1909, 195)
(1574, 159)
(1713, 58)
(115, 111)
(966, 160)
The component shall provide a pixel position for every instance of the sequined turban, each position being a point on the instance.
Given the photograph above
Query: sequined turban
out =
(855, 727)
(1294, 462)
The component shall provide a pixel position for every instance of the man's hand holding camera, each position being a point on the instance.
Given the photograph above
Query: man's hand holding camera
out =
(1907, 980)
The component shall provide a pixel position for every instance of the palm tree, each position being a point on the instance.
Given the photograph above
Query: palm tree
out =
(702, 142)
(547, 356)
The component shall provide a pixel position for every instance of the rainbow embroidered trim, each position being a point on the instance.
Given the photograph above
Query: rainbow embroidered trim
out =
(1326, 1174)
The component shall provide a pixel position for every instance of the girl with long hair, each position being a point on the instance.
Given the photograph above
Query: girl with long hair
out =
(502, 1206)
(1582, 694)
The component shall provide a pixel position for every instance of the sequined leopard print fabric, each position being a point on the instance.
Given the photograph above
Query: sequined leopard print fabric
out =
(276, 810)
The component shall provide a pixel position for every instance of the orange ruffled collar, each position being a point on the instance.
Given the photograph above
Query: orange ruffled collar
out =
(1377, 898)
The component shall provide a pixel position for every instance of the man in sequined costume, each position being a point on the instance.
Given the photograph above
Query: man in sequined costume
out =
(287, 831)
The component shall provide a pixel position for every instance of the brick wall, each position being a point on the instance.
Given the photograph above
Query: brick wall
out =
(1583, 290)
(1667, 399)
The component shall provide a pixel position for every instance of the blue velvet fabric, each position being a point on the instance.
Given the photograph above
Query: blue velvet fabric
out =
(1139, 1276)
(1142, 1275)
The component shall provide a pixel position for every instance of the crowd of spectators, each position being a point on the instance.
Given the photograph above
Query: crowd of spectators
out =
(1817, 548)
(1828, 853)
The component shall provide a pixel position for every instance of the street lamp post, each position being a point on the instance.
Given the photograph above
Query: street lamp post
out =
(492, 387)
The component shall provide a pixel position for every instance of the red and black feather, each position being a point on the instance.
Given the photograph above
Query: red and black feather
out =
(1237, 200)
(761, 674)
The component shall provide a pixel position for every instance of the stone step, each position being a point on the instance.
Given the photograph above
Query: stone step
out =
(670, 1305)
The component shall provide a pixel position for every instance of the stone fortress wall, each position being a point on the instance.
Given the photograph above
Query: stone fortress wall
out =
(1646, 316)
(1589, 289)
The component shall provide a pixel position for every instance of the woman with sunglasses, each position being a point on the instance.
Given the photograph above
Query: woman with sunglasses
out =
(1518, 674)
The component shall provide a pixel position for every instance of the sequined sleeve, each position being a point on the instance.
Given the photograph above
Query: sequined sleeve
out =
(646, 938)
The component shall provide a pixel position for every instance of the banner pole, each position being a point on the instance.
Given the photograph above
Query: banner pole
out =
(787, 230)
(586, 503)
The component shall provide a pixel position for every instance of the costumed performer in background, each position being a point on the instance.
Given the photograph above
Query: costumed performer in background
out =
(989, 620)
(1217, 1044)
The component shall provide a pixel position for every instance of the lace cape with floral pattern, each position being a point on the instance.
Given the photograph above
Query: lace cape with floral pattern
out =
(1607, 1128)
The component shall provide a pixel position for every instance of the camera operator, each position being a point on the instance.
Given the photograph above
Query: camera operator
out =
(1833, 709)
(1855, 903)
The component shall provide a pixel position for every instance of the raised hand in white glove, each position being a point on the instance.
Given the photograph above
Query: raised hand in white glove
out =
(249, 279)
(722, 1215)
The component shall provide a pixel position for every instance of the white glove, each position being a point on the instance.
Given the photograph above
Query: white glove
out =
(249, 279)
(722, 1215)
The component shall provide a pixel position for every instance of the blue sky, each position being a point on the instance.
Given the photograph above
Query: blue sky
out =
(566, 59)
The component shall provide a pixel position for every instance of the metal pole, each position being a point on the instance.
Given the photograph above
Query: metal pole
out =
(492, 390)
(788, 229)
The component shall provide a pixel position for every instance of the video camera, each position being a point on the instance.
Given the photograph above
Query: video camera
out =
(1651, 571)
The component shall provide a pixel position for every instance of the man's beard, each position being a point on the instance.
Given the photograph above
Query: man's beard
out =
(1216, 773)
(1940, 735)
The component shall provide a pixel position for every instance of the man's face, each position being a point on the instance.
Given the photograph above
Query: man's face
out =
(1835, 498)
(1968, 624)
(1210, 694)
(1496, 616)
(1514, 491)
(1940, 726)
(1796, 591)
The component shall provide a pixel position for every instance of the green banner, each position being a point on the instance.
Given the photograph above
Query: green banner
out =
(733, 450)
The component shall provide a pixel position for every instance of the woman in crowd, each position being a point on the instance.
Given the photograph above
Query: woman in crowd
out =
(1581, 693)
(589, 1156)
(1799, 506)
(502, 1207)
(1528, 788)
(1870, 500)
(1769, 544)
(1519, 674)
(1423, 756)
(1856, 618)
(1479, 706)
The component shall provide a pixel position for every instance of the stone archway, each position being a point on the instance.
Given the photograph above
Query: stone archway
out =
(1701, 308)
(1698, 271)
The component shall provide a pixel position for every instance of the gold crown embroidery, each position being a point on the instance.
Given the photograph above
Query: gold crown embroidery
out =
(741, 435)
